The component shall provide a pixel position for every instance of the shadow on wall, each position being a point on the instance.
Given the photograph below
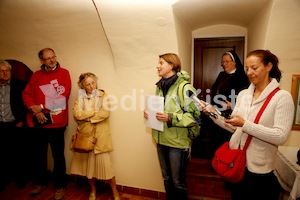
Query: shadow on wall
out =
(20, 70)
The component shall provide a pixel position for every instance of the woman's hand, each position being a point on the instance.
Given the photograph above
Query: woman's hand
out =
(20, 124)
(227, 105)
(236, 120)
(207, 108)
(145, 114)
(163, 117)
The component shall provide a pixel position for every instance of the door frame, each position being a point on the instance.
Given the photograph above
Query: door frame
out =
(209, 36)
(200, 146)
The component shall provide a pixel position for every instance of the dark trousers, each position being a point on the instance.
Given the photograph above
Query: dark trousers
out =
(6, 148)
(256, 186)
(15, 154)
(54, 137)
(173, 163)
(217, 137)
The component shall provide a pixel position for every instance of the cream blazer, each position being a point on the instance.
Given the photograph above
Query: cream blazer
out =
(94, 111)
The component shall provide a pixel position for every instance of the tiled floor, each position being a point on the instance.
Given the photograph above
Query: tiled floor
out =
(75, 191)
(202, 182)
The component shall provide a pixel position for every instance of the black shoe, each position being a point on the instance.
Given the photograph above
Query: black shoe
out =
(3, 185)
(21, 184)
(36, 190)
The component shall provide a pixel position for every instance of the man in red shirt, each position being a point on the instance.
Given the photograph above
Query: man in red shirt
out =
(46, 96)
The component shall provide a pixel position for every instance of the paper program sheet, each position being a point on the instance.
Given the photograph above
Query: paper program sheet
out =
(154, 104)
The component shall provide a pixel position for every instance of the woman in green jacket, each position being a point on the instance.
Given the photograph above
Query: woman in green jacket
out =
(173, 143)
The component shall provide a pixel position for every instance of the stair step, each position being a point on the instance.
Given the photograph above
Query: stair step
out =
(203, 176)
(201, 168)
(203, 183)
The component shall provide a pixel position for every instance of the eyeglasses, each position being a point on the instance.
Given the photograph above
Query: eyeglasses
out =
(50, 58)
(226, 61)
(5, 71)
(90, 84)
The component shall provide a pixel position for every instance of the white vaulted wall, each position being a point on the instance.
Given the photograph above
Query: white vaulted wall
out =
(120, 40)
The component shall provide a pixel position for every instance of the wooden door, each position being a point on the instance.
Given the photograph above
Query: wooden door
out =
(207, 65)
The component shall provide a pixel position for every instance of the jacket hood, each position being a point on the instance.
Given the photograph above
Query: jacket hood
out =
(183, 75)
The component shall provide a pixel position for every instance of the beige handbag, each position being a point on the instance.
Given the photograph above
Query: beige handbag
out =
(83, 143)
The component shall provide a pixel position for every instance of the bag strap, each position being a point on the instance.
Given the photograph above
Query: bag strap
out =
(260, 112)
(94, 131)
(180, 92)
(265, 105)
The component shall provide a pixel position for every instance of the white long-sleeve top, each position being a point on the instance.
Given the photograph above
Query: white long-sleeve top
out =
(272, 129)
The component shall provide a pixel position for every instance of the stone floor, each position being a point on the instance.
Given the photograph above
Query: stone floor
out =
(202, 182)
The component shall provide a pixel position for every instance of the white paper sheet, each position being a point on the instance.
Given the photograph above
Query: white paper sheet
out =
(154, 104)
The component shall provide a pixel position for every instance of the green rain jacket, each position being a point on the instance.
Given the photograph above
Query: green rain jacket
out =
(175, 134)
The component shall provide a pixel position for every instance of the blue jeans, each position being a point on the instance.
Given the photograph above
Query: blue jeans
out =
(173, 163)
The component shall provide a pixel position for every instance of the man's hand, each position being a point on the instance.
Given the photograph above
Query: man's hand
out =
(41, 117)
(36, 109)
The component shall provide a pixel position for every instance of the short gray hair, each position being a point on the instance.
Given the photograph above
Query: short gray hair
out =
(4, 63)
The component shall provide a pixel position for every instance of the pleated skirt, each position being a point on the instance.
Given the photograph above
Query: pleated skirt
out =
(92, 165)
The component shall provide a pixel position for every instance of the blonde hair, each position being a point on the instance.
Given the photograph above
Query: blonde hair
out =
(84, 76)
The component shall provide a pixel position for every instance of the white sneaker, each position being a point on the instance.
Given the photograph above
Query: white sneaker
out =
(92, 196)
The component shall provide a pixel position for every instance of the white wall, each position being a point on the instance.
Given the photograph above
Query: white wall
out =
(258, 28)
(184, 38)
(137, 33)
(122, 49)
(283, 39)
(275, 28)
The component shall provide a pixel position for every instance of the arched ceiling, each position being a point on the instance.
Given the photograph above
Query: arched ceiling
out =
(200, 13)
(126, 23)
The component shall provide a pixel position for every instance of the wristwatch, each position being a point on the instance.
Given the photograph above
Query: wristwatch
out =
(42, 107)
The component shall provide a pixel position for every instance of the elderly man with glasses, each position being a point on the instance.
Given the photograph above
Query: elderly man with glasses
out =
(12, 126)
(46, 97)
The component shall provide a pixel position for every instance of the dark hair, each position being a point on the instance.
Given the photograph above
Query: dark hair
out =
(40, 54)
(267, 57)
(173, 60)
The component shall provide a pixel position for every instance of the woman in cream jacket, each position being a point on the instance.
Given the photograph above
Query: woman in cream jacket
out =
(91, 110)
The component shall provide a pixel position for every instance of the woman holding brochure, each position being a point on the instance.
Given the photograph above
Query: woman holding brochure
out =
(272, 130)
(173, 143)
